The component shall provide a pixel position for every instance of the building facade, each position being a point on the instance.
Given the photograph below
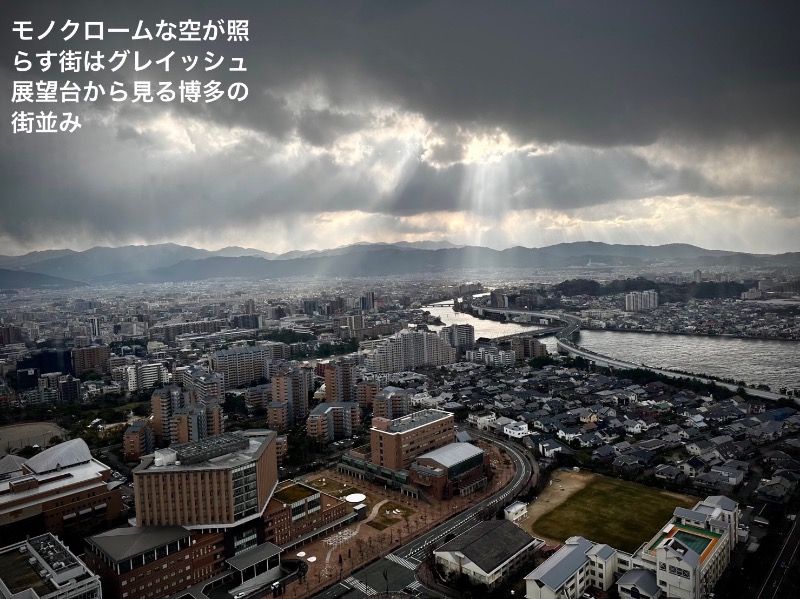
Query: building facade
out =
(216, 484)
(62, 490)
(334, 420)
(396, 443)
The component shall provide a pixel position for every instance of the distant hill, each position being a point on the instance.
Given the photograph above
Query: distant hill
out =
(171, 262)
(20, 279)
(236, 251)
(32, 258)
(670, 251)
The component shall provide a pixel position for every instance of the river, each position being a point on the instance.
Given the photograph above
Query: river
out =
(755, 361)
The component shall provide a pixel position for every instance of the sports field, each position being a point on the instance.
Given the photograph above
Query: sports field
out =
(31, 433)
(605, 510)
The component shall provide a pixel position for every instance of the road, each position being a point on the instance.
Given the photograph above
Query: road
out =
(395, 572)
(771, 588)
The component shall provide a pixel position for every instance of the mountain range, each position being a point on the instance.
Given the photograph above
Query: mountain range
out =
(171, 262)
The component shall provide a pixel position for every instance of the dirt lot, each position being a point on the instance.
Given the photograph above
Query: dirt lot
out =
(571, 482)
(31, 433)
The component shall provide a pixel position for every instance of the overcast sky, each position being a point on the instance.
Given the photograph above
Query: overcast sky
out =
(486, 123)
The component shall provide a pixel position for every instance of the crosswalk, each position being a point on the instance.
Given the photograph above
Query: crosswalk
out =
(402, 561)
(414, 585)
(357, 584)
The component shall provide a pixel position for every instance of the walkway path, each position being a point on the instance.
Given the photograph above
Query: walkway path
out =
(372, 515)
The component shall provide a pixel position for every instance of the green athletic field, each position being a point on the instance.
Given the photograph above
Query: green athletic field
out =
(616, 512)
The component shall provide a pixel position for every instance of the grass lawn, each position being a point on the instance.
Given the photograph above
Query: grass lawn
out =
(616, 512)
(384, 520)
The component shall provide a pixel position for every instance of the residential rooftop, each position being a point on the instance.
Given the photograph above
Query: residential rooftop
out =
(416, 420)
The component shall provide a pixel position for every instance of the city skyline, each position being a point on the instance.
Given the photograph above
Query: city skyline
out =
(495, 126)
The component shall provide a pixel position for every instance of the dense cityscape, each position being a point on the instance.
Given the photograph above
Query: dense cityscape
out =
(400, 300)
(340, 437)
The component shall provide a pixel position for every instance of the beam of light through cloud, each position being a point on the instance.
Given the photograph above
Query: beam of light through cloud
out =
(375, 122)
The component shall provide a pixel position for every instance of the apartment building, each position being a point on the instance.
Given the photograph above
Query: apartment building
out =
(366, 392)
(639, 301)
(55, 387)
(391, 402)
(292, 385)
(138, 440)
(258, 396)
(203, 385)
(333, 420)
(93, 358)
(340, 380)
(163, 404)
(196, 421)
(409, 349)
(460, 336)
(169, 332)
(240, 366)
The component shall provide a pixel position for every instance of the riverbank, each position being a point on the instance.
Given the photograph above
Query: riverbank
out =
(585, 327)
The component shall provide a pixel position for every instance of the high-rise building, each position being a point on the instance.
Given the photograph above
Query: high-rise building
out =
(10, 333)
(368, 301)
(258, 397)
(640, 301)
(62, 388)
(241, 365)
(366, 392)
(498, 299)
(460, 336)
(293, 385)
(340, 380)
(203, 385)
(697, 276)
(196, 421)
(333, 420)
(163, 404)
(409, 349)
(93, 358)
(391, 402)
(217, 483)
(138, 440)
(141, 375)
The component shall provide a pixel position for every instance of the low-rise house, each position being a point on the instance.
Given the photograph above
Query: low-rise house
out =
(668, 472)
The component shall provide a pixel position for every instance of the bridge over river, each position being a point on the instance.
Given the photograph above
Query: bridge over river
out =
(566, 341)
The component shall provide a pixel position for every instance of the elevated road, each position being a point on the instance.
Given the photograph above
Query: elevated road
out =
(566, 342)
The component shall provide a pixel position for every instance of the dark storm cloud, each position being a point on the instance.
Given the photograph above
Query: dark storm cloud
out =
(595, 73)
(591, 78)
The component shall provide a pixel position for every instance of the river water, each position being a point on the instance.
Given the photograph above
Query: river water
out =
(755, 361)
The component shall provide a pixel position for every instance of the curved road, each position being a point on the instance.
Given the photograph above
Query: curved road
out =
(415, 550)
(396, 571)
